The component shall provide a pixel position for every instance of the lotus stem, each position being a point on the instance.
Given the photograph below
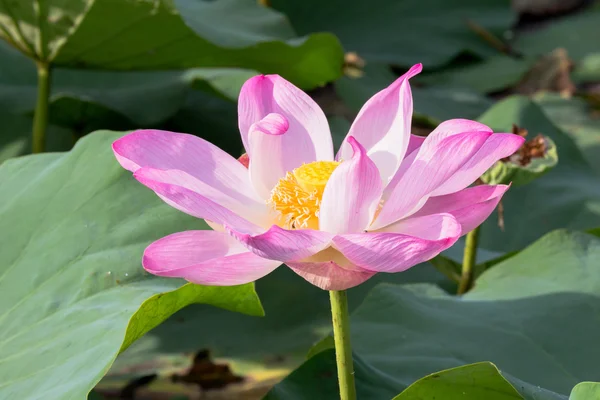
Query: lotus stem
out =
(40, 118)
(343, 350)
(469, 259)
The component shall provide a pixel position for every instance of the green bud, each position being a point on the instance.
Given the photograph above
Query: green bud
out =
(532, 160)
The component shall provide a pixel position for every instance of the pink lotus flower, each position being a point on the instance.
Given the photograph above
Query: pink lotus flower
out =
(389, 200)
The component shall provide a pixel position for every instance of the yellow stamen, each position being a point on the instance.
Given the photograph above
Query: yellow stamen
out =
(314, 176)
(297, 196)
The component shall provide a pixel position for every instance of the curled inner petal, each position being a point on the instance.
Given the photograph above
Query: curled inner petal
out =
(297, 196)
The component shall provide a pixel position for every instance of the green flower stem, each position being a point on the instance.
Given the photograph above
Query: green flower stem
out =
(40, 118)
(343, 350)
(469, 258)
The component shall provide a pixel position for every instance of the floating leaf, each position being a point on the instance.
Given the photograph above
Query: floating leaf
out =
(585, 391)
(475, 381)
(72, 290)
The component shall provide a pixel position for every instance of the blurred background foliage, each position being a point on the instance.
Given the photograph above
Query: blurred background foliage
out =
(179, 64)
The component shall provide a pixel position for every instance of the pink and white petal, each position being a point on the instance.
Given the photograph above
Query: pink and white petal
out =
(257, 213)
(411, 156)
(193, 203)
(404, 165)
(496, 147)
(162, 150)
(429, 227)
(205, 258)
(455, 126)
(169, 150)
(282, 244)
(396, 252)
(412, 151)
(308, 137)
(383, 125)
(433, 164)
(329, 275)
(269, 161)
(352, 194)
(330, 270)
(470, 206)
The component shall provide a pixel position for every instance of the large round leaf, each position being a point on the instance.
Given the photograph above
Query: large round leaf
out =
(585, 391)
(534, 316)
(573, 269)
(474, 381)
(72, 290)
(154, 35)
